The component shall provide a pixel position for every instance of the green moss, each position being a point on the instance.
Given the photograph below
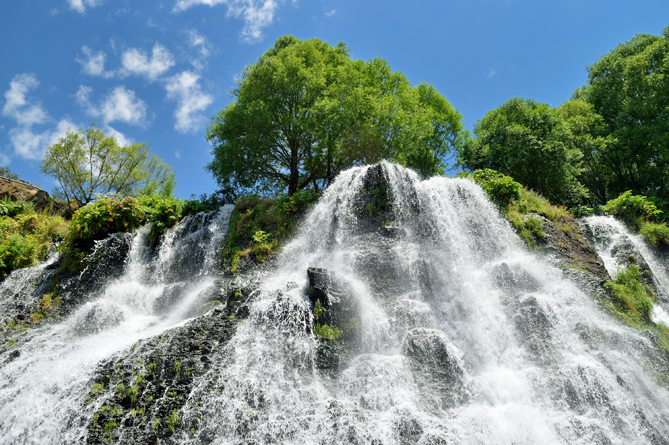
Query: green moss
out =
(152, 367)
(177, 368)
(327, 331)
(172, 420)
(97, 388)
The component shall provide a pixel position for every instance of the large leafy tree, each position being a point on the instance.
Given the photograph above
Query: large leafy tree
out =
(629, 88)
(305, 111)
(530, 142)
(88, 162)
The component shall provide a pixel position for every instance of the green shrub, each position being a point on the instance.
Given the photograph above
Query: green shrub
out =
(103, 217)
(633, 208)
(631, 294)
(327, 331)
(25, 238)
(11, 208)
(501, 189)
(655, 233)
(582, 211)
(162, 212)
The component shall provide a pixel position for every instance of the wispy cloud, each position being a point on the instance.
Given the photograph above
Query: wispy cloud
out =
(184, 88)
(94, 64)
(18, 107)
(80, 5)
(491, 73)
(257, 14)
(331, 13)
(27, 142)
(177, 154)
(139, 63)
(203, 47)
(120, 105)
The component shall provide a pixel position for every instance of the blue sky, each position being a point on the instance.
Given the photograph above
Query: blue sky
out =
(156, 71)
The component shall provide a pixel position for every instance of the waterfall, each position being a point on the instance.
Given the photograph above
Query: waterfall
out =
(615, 243)
(451, 332)
(463, 336)
(42, 384)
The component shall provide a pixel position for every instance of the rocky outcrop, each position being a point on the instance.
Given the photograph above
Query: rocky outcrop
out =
(18, 190)
(563, 239)
(436, 367)
(136, 397)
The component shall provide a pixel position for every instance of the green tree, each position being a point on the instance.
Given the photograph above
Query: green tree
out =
(88, 162)
(306, 111)
(587, 133)
(530, 142)
(7, 173)
(629, 88)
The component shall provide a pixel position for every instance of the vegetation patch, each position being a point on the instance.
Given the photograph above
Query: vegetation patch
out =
(518, 204)
(259, 225)
(25, 235)
(633, 303)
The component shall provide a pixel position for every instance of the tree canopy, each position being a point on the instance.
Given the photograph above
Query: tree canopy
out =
(530, 142)
(629, 88)
(88, 162)
(305, 111)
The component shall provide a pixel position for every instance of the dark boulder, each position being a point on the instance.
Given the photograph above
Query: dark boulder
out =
(436, 367)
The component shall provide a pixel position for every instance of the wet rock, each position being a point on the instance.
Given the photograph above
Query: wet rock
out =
(97, 319)
(533, 327)
(564, 239)
(335, 297)
(136, 397)
(436, 367)
(514, 279)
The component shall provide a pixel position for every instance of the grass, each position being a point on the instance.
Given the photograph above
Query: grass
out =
(25, 237)
(258, 226)
(655, 233)
(529, 227)
(633, 303)
(631, 294)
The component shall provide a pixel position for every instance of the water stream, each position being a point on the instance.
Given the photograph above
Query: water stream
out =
(460, 336)
(45, 384)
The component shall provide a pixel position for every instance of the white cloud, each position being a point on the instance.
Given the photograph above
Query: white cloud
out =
(204, 48)
(491, 73)
(177, 154)
(25, 141)
(137, 62)
(80, 5)
(32, 145)
(4, 159)
(18, 107)
(94, 64)
(119, 105)
(185, 89)
(257, 14)
(121, 139)
(331, 13)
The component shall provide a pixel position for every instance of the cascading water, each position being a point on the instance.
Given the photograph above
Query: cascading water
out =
(452, 332)
(462, 336)
(615, 243)
(44, 382)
